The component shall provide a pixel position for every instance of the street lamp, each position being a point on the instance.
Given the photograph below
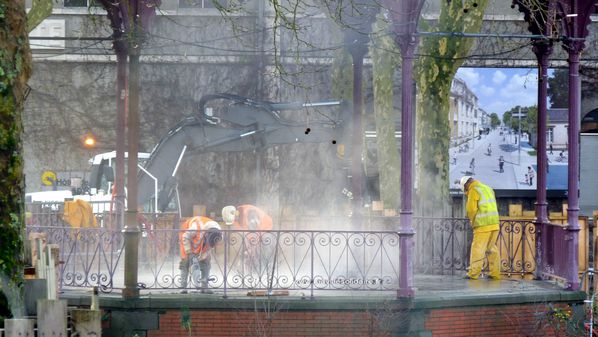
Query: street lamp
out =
(89, 140)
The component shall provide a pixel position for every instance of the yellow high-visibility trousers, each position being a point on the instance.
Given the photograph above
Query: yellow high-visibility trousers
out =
(484, 246)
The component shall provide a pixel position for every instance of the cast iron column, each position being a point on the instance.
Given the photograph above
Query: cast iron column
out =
(407, 232)
(132, 232)
(542, 49)
(405, 15)
(573, 172)
(575, 16)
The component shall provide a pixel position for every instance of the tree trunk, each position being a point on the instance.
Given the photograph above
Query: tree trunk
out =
(441, 57)
(384, 59)
(342, 88)
(15, 63)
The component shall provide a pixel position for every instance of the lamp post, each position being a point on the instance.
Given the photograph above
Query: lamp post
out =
(519, 138)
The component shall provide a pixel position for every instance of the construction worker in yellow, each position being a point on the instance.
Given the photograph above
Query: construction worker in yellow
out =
(483, 215)
(79, 214)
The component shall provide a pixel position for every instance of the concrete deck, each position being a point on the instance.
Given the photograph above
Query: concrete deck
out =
(431, 292)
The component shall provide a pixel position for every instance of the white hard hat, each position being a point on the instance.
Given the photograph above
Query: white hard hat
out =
(464, 181)
(228, 214)
(210, 224)
(193, 226)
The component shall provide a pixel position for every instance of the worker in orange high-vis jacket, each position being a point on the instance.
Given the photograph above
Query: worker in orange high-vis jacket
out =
(248, 218)
(198, 237)
(482, 212)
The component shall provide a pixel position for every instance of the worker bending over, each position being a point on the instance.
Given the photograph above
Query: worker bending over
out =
(198, 237)
(246, 217)
(257, 252)
(482, 212)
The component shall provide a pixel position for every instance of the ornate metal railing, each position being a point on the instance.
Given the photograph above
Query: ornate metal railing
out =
(303, 260)
(88, 256)
(442, 246)
(517, 245)
(307, 261)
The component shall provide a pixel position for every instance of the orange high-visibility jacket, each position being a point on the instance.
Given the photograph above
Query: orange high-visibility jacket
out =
(246, 213)
(192, 240)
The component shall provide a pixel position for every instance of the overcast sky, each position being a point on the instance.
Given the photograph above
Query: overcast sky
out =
(500, 89)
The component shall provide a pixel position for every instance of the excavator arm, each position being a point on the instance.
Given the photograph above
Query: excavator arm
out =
(230, 123)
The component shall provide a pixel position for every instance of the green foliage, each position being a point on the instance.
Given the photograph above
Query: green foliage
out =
(435, 70)
(506, 118)
(186, 319)
(528, 123)
(563, 321)
(8, 72)
(385, 60)
(11, 220)
(494, 120)
(558, 88)
(531, 121)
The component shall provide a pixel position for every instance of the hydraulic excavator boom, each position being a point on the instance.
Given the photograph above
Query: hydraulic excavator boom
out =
(230, 123)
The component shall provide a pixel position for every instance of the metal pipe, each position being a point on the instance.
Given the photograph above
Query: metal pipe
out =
(475, 35)
(298, 105)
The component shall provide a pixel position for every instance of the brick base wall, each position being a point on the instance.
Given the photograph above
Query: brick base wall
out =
(234, 323)
(500, 320)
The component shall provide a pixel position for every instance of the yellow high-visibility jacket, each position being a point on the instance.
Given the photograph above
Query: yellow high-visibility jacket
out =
(482, 210)
(79, 214)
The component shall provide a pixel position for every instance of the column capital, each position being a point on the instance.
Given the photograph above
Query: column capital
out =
(407, 44)
(542, 48)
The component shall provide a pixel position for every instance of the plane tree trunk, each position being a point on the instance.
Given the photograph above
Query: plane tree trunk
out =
(15, 67)
(440, 58)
